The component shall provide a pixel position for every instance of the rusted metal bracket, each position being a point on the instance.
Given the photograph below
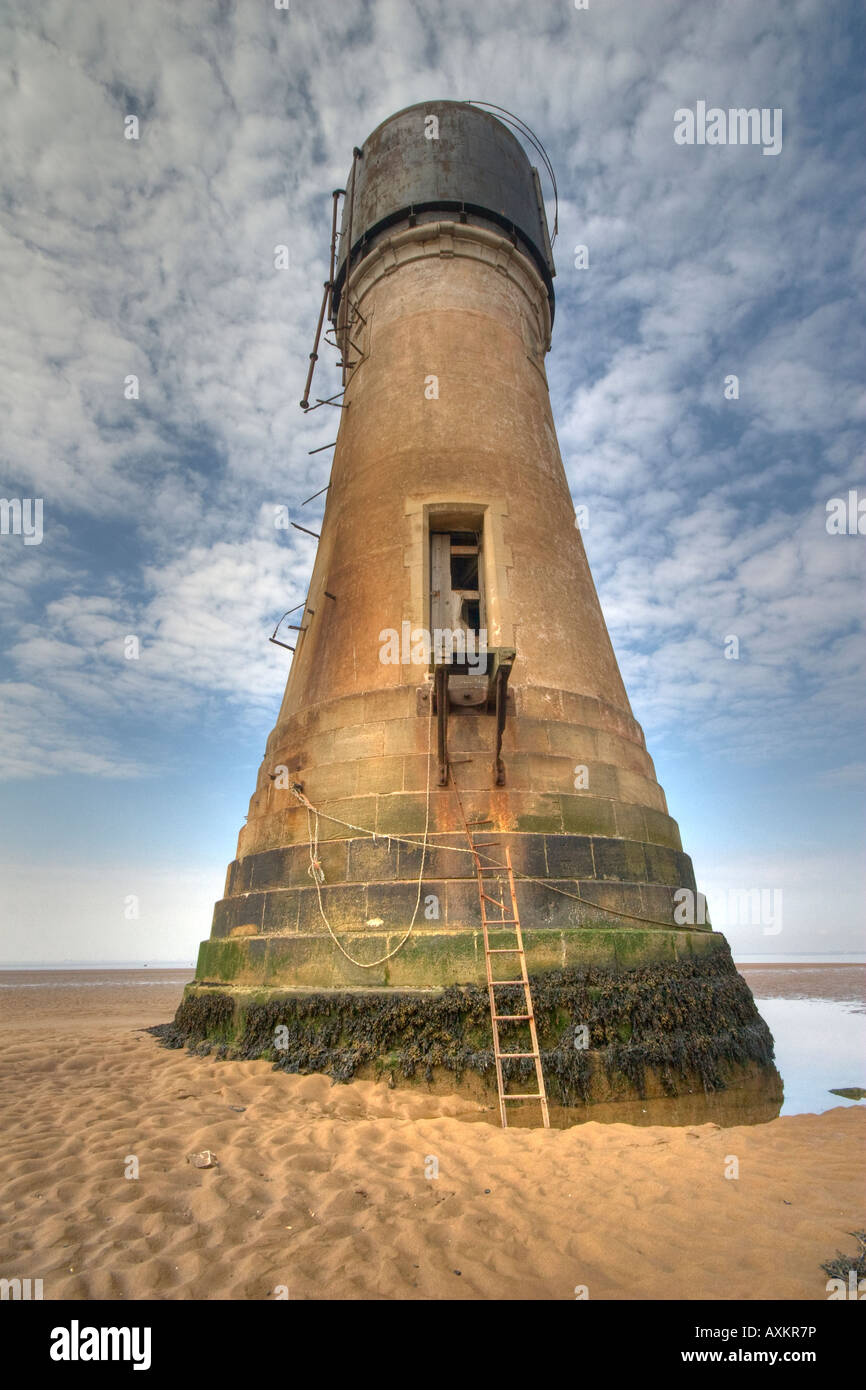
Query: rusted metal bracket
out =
(356, 155)
(327, 305)
(499, 682)
(275, 639)
(332, 400)
(352, 343)
(337, 193)
(500, 700)
(314, 355)
(315, 495)
(356, 311)
(440, 685)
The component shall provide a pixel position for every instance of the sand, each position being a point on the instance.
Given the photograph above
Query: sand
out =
(799, 981)
(322, 1190)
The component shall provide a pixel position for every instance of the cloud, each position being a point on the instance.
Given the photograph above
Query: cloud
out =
(200, 621)
(155, 257)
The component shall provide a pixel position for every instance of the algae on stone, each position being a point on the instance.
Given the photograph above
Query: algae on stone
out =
(688, 1022)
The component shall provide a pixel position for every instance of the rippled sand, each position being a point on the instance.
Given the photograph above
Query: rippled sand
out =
(322, 1188)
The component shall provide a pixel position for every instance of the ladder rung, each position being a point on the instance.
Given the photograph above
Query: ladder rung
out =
(499, 924)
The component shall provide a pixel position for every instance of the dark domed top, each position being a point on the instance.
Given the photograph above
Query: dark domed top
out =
(443, 157)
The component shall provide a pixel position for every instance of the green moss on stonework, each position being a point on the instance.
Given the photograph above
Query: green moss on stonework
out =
(687, 1020)
(220, 959)
(540, 825)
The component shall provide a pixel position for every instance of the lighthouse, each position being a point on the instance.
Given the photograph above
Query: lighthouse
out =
(455, 727)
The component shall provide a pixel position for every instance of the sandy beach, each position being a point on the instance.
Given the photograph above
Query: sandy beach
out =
(323, 1189)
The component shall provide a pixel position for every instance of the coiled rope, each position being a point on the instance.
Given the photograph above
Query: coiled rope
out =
(317, 873)
(315, 869)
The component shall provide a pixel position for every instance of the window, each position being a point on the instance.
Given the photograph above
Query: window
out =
(477, 522)
(457, 594)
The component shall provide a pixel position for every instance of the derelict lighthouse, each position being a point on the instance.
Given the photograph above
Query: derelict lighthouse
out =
(458, 866)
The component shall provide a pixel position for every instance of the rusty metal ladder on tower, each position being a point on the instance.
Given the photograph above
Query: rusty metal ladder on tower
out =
(507, 920)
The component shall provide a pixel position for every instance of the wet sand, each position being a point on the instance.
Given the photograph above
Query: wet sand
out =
(323, 1189)
(837, 982)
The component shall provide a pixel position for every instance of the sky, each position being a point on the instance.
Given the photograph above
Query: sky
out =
(125, 781)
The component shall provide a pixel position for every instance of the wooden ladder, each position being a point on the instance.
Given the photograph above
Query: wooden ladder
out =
(484, 873)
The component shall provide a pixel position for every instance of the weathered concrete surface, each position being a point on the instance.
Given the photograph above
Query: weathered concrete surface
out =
(464, 306)
(448, 423)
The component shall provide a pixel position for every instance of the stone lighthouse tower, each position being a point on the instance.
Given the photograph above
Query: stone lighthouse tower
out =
(454, 700)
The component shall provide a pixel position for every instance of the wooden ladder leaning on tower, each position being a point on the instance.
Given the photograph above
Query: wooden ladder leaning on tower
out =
(507, 920)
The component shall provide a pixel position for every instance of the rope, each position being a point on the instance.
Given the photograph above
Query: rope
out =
(457, 849)
(317, 873)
